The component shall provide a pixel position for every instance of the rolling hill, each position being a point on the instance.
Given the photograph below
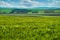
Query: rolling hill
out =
(7, 10)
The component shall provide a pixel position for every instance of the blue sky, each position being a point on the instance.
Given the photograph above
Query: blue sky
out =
(29, 3)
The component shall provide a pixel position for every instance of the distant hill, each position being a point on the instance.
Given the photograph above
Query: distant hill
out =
(47, 8)
(7, 10)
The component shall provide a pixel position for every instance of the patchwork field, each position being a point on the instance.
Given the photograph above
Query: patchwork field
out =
(29, 28)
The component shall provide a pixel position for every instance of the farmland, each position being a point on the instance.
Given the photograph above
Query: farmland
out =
(29, 28)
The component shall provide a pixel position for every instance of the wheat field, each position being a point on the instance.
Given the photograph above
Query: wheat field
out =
(29, 28)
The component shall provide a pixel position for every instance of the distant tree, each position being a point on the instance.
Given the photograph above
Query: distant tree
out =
(34, 11)
(2, 12)
(20, 11)
(49, 11)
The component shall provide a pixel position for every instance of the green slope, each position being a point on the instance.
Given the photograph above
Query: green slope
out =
(7, 10)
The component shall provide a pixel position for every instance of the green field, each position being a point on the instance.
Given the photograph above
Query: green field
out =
(29, 28)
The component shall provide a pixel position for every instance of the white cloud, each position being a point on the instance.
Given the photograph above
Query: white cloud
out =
(54, 3)
(5, 4)
(30, 4)
(22, 4)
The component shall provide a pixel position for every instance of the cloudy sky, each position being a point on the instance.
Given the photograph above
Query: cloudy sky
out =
(29, 3)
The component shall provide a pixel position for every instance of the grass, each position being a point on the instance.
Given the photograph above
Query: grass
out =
(29, 28)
